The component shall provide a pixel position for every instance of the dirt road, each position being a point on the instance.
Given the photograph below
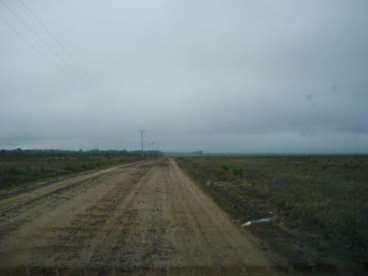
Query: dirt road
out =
(142, 218)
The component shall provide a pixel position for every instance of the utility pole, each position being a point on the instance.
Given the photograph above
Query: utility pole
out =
(153, 146)
(142, 142)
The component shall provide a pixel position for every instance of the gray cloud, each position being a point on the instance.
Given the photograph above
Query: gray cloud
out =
(237, 76)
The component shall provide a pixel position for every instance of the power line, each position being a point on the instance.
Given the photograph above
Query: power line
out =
(32, 45)
(12, 28)
(47, 31)
(32, 31)
(43, 25)
(152, 146)
(142, 141)
(62, 62)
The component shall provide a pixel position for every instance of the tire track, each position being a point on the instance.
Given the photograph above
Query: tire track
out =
(140, 238)
(146, 219)
(14, 217)
(76, 238)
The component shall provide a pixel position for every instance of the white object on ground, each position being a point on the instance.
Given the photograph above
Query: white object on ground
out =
(262, 220)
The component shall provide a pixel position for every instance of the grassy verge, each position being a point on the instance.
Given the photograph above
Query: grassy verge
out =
(19, 167)
(320, 203)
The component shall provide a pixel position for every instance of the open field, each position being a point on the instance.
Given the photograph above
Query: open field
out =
(143, 218)
(19, 169)
(319, 202)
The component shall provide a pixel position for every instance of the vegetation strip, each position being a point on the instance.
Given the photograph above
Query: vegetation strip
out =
(319, 203)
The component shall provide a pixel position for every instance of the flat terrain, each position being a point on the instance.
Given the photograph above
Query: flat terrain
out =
(145, 217)
(19, 169)
(319, 205)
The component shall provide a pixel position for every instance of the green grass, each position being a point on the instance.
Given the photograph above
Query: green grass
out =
(18, 168)
(325, 195)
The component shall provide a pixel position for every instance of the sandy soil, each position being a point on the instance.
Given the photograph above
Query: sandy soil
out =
(143, 218)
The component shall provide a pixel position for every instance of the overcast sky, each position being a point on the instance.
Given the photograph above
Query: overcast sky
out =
(221, 76)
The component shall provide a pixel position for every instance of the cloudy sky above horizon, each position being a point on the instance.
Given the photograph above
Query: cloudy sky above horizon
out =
(221, 76)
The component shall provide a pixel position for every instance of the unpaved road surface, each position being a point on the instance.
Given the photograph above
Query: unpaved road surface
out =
(143, 218)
